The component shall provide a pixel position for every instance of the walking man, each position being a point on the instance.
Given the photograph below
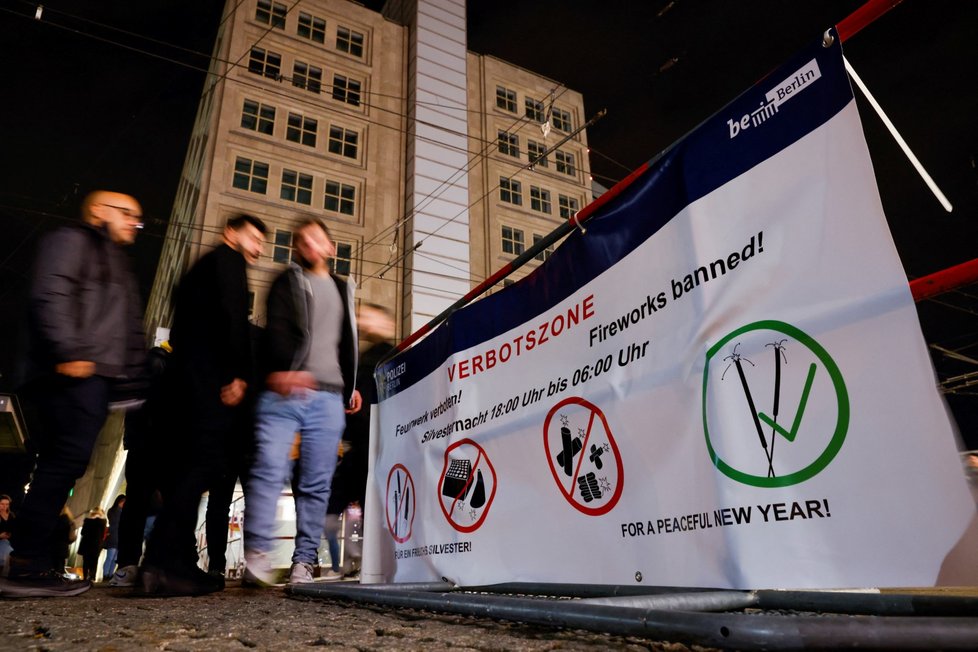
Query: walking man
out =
(310, 362)
(205, 381)
(86, 330)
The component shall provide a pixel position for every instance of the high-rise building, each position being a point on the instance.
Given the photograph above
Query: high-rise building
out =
(431, 165)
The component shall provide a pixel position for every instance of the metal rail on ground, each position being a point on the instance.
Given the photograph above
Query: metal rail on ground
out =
(769, 620)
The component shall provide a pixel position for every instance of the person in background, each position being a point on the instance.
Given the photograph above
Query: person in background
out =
(310, 363)
(6, 526)
(112, 539)
(206, 380)
(86, 339)
(90, 547)
(65, 533)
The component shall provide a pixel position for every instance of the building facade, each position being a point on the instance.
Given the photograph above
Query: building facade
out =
(431, 165)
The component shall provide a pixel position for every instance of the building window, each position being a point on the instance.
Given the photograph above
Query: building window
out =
(342, 262)
(301, 130)
(346, 90)
(307, 77)
(251, 304)
(506, 99)
(567, 206)
(561, 120)
(540, 200)
(264, 62)
(565, 162)
(312, 27)
(509, 144)
(271, 13)
(512, 241)
(544, 253)
(349, 41)
(343, 141)
(296, 187)
(258, 117)
(534, 110)
(340, 197)
(282, 246)
(250, 175)
(536, 151)
(510, 191)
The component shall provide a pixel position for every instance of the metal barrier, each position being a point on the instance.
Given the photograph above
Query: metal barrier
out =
(770, 620)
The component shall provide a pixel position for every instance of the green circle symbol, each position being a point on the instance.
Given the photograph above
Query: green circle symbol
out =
(841, 427)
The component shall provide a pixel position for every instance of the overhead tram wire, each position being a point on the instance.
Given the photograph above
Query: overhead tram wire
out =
(280, 78)
(444, 185)
(597, 117)
(224, 76)
(198, 52)
(131, 33)
(238, 64)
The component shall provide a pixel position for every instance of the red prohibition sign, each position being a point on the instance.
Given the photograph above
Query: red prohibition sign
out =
(401, 501)
(595, 414)
(481, 458)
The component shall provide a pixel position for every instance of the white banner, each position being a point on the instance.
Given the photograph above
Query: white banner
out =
(721, 384)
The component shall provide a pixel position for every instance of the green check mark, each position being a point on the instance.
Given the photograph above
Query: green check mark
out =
(790, 435)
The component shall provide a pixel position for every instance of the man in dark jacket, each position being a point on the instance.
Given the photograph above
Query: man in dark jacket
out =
(85, 317)
(206, 379)
(310, 365)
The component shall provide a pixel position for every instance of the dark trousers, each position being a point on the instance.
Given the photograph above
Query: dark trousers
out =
(72, 414)
(192, 470)
(90, 565)
(218, 509)
(143, 478)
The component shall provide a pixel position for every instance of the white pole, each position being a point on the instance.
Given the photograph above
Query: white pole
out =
(899, 139)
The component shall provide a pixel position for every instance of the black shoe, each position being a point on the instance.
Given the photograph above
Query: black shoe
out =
(165, 583)
(49, 584)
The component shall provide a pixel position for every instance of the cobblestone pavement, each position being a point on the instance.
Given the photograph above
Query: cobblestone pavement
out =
(107, 619)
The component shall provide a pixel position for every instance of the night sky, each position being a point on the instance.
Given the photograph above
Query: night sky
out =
(86, 106)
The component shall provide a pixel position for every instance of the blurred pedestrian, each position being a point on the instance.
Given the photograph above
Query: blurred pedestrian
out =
(112, 538)
(206, 380)
(90, 546)
(145, 443)
(86, 328)
(238, 455)
(375, 324)
(6, 526)
(310, 362)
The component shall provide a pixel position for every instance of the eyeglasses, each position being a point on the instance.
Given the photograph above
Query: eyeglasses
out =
(130, 214)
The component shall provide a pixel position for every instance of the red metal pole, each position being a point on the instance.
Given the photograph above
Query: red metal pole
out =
(863, 16)
(945, 280)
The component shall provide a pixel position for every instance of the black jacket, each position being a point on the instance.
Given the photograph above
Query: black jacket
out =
(286, 344)
(211, 334)
(84, 304)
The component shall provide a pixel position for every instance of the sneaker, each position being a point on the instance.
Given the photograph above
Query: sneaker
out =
(258, 570)
(49, 584)
(301, 573)
(332, 575)
(127, 576)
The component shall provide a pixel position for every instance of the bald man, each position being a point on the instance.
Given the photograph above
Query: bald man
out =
(86, 329)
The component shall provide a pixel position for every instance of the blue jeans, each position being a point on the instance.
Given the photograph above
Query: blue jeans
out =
(319, 418)
(108, 566)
